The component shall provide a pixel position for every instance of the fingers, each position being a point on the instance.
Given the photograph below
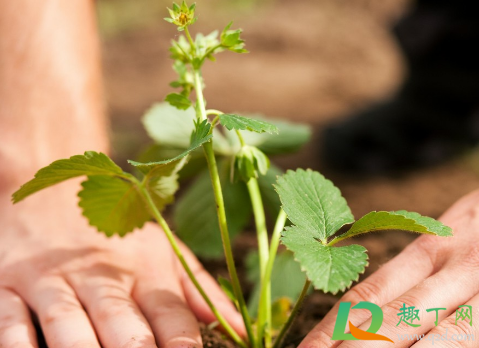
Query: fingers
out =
(62, 318)
(16, 329)
(393, 279)
(451, 332)
(117, 320)
(448, 289)
(217, 296)
(161, 299)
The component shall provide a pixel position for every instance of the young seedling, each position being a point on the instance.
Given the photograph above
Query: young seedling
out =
(116, 202)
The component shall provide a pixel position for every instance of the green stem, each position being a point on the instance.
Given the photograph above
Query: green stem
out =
(220, 209)
(240, 137)
(264, 310)
(199, 95)
(171, 238)
(292, 316)
(214, 122)
(265, 292)
(187, 32)
(221, 212)
(214, 112)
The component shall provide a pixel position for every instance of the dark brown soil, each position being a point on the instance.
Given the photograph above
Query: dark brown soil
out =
(214, 338)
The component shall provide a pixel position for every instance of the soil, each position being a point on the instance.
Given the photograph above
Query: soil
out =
(311, 61)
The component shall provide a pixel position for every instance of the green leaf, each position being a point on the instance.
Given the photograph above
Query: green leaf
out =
(330, 269)
(231, 40)
(293, 137)
(171, 128)
(91, 163)
(155, 153)
(195, 213)
(313, 204)
(161, 182)
(287, 280)
(198, 137)
(178, 100)
(112, 205)
(231, 121)
(396, 220)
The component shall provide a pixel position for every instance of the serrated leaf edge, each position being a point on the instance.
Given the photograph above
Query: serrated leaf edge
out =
(340, 289)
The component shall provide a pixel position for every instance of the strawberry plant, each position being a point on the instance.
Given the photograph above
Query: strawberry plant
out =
(117, 202)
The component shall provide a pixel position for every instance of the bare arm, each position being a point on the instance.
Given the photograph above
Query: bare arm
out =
(51, 100)
(85, 289)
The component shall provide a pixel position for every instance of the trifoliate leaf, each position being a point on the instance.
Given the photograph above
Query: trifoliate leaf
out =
(195, 215)
(91, 163)
(179, 101)
(330, 269)
(113, 205)
(231, 121)
(313, 204)
(287, 280)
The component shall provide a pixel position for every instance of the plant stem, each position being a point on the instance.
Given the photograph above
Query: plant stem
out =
(199, 95)
(220, 209)
(187, 32)
(264, 310)
(265, 292)
(240, 137)
(292, 316)
(214, 112)
(171, 238)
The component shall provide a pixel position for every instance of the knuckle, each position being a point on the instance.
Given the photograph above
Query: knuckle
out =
(110, 306)
(58, 311)
(6, 322)
(471, 259)
(391, 309)
(462, 328)
(166, 309)
(365, 291)
(454, 336)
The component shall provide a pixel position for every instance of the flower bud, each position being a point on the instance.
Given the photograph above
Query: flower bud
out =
(249, 163)
(182, 16)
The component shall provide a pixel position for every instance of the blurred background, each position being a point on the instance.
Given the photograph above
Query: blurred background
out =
(311, 61)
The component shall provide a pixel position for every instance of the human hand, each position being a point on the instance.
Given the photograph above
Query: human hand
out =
(430, 273)
(86, 289)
